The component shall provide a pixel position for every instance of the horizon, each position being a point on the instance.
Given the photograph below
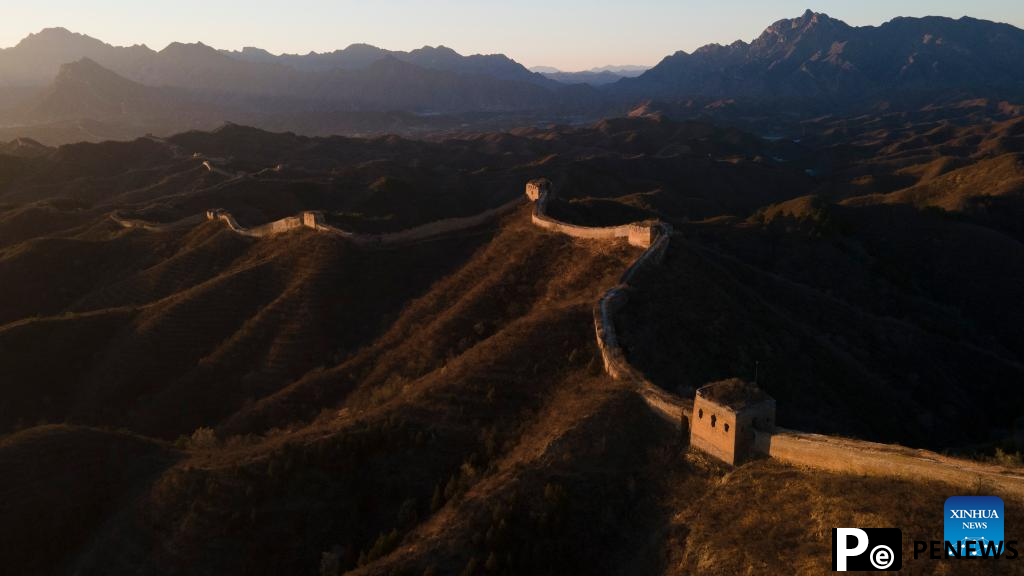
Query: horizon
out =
(407, 25)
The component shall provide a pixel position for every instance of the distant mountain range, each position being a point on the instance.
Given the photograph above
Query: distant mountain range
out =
(823, 60)
(812, 64)
(595, 76)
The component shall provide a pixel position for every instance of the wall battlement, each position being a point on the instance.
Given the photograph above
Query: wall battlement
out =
(727, 418)
(539, 191)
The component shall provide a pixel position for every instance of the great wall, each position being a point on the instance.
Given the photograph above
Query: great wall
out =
(816, 451)
(315, 221)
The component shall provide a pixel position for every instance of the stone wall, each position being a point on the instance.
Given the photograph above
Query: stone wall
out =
(858, 457)
(796, 448)
(268, 229)
(713, 430)
(729, 433)
(655, 237)
(315, 221)
(641, 234)
(126, 222)
(815, 451)
(433, 229)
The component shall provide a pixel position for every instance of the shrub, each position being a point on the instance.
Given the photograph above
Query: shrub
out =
(407, 514)
(203, 438)
(1005, 458)
(437, 501)
(330, 564)
(382, 547)
(471, 566)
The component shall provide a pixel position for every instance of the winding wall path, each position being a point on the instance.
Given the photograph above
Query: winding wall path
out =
(126, 222)
(816, 451)
(315, 221)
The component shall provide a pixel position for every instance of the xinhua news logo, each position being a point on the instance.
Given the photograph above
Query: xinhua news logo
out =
(972, 529)
(868, 549)
(974, 525)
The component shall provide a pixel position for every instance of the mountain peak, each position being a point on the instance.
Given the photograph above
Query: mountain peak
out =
(791, 31)
(197, 53)
(254, 51)
(88, 71)
(80, 64)
(192, 46)
(439, 51)
(49, 38)
(57, 32)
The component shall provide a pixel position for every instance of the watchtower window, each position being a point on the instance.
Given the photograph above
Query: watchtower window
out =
(700, 413)
(727, 428)
(714, 419)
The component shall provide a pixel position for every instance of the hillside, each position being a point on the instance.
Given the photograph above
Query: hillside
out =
(302, 402)
(869, 280)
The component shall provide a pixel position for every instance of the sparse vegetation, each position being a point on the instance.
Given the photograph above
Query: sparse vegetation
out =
(440, 408)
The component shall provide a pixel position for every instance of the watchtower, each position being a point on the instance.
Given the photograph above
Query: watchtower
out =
(642, 235)
(312, 219)
(728, 418)
(538, 188)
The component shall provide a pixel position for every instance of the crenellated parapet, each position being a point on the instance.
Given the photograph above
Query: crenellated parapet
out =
(539, 191)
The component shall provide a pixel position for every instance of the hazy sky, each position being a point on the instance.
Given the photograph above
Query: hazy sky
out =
(569, 34)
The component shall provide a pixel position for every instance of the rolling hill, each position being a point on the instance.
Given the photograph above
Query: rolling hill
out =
(302, 402)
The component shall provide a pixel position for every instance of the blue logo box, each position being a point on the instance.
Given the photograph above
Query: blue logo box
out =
(974, 519)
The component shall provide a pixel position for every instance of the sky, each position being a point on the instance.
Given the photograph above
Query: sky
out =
(566, 34)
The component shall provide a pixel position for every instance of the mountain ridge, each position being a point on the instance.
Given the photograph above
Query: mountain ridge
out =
(815, 56)
(794, 70)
